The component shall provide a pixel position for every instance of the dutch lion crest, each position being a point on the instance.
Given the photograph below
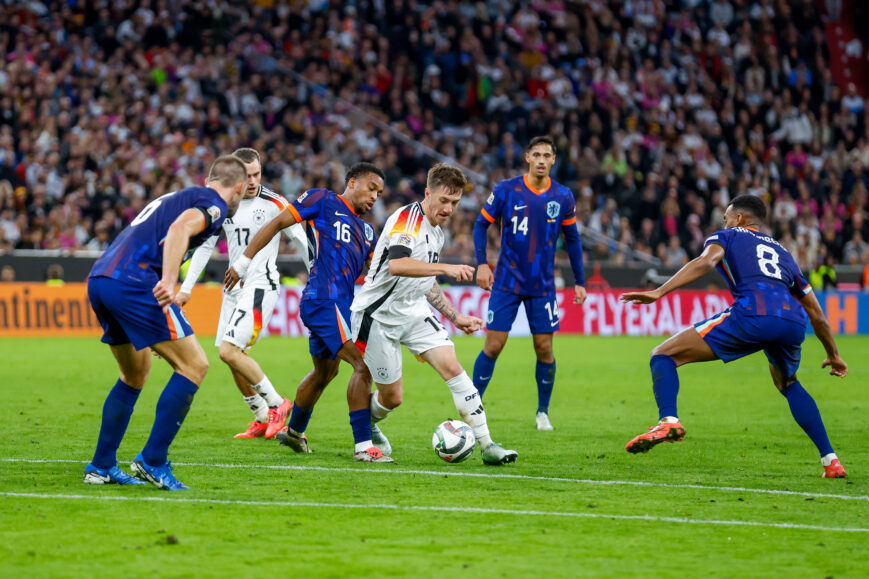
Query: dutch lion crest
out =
(553, 208)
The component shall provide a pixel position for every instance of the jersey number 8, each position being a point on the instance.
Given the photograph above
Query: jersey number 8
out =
(767, 261)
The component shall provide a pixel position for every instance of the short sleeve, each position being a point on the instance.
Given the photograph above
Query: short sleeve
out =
(491, 211)
(213, 209)
(307, 205)
(720, 237)
(403, 233)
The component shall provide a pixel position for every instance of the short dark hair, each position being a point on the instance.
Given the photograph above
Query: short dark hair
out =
(247, 155)
(361, 169)
(542, 140)
(228, 170)
(750, 204)
(446, 176)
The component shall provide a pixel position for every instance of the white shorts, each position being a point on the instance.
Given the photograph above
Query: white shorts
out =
(244, 315)
(381, 343)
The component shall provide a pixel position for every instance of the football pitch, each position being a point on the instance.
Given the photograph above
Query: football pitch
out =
(742, 495)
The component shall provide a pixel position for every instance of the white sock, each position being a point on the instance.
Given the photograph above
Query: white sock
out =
(363, 446)
(267, 391)
(378, 410)
(258, 407)
(668, 420)
(467, 401)
(828, 459)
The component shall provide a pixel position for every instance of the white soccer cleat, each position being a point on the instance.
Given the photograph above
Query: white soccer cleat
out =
(380, 441)
(371, 454)
(543, 422)
(494, 454)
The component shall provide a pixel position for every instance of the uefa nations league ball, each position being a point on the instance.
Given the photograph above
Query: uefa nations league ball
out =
(453, 441)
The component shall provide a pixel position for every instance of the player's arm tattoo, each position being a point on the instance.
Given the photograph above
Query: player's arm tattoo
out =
(439, 301)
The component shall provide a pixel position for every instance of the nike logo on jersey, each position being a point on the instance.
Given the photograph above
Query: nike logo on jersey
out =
(339, 214)
(553, 324)
(518, 207)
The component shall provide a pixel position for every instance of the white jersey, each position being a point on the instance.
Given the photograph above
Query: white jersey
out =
(251, 215)
(391, 299)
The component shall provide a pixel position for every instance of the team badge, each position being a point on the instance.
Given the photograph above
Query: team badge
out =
(259, 216)
(553, 208)
(369, 232)
(491, 198)
(214, 212)
(382, 373)
(490, 317)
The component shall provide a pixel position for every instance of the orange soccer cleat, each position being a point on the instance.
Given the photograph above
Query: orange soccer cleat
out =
(278, 418)
(254, 430)
(664, 432)
(835, 470)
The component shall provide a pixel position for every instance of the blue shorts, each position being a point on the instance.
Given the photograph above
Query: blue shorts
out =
(327, 322)
(541, 311)
(732, 335)
(130, 314)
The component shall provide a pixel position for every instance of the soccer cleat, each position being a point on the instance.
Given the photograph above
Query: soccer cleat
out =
(494, 454)
(159, 476)
(108, 476)
(835, 470)
(297, 443)
(254, 430)
(380, 441)
(543, 422)
(278, 418)
(371, 454)
(664, 432)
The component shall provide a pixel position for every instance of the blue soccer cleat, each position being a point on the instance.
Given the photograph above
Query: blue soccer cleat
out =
(159, 476)
(108, 476)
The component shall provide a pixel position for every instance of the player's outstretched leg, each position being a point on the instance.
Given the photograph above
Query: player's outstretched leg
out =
(665, 382)
(258, 406)
(484, 367)
(544, 374)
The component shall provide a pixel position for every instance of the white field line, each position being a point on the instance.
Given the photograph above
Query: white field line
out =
(389, 470)
(419, 508)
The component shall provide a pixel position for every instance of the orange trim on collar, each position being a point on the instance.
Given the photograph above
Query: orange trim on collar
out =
(527, 180)
(341, 197)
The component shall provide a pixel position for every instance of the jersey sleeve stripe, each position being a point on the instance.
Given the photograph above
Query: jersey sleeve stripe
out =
(409, 221)
(294, 213)
(807, 290)
(486, 215)
(570, 221)
(277, 200)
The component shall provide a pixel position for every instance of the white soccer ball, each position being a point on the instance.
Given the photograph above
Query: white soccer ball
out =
(453, 441)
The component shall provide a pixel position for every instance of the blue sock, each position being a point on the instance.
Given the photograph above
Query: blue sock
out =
(665, 383)
(360, 422)
(483, 368)
(116, 416)
(545, 374)
(299, 418)
(807, 415)
(172, 408)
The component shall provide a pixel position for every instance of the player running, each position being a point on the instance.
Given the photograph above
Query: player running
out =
(392, 309)
(767, 289)
(344, 242)
(131, 289)
(533, 210)
(246, 310)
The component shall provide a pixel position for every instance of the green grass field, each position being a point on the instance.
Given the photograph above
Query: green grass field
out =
(741, 496)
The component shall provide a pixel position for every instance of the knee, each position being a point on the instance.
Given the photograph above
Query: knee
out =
(493, 350)
(544, 353)
(137, 378)
(195, 369)
(390, 399)
(228, 353)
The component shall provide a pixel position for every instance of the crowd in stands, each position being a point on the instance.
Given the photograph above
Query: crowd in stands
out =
(662, 110)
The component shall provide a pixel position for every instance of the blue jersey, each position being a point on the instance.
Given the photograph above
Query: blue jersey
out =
(136, 255)
(762, 275)
(530, 223)
(342, 243)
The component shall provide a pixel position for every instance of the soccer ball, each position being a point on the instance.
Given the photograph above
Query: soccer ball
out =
(453, 441)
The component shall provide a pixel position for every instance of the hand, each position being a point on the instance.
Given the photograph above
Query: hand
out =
(230, 279)
(460, 272)
(641, 297)
(580, 296)
(485, 278)
(164, 291)
(182, 298)
(468, 324)
(838, 367)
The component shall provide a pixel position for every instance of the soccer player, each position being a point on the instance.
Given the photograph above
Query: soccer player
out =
(392, 309)
(246, 310)
(768, 290)
(344, 242)
(131, 289)
(533, 210)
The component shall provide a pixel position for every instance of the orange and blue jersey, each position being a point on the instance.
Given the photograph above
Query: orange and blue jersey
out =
(762, 275)
(136, 255)
(343, 242)
(531, 221)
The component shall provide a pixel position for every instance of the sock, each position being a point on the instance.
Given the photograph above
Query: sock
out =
(360, 422)
(470, 407)
(172, 408)
(259, 407)
(378, 410)
(545, 374)
(299, 419)
(116, 416)
(483, 369)
(267, 391)
(807, 415)
(665, 383)
(828, 459)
